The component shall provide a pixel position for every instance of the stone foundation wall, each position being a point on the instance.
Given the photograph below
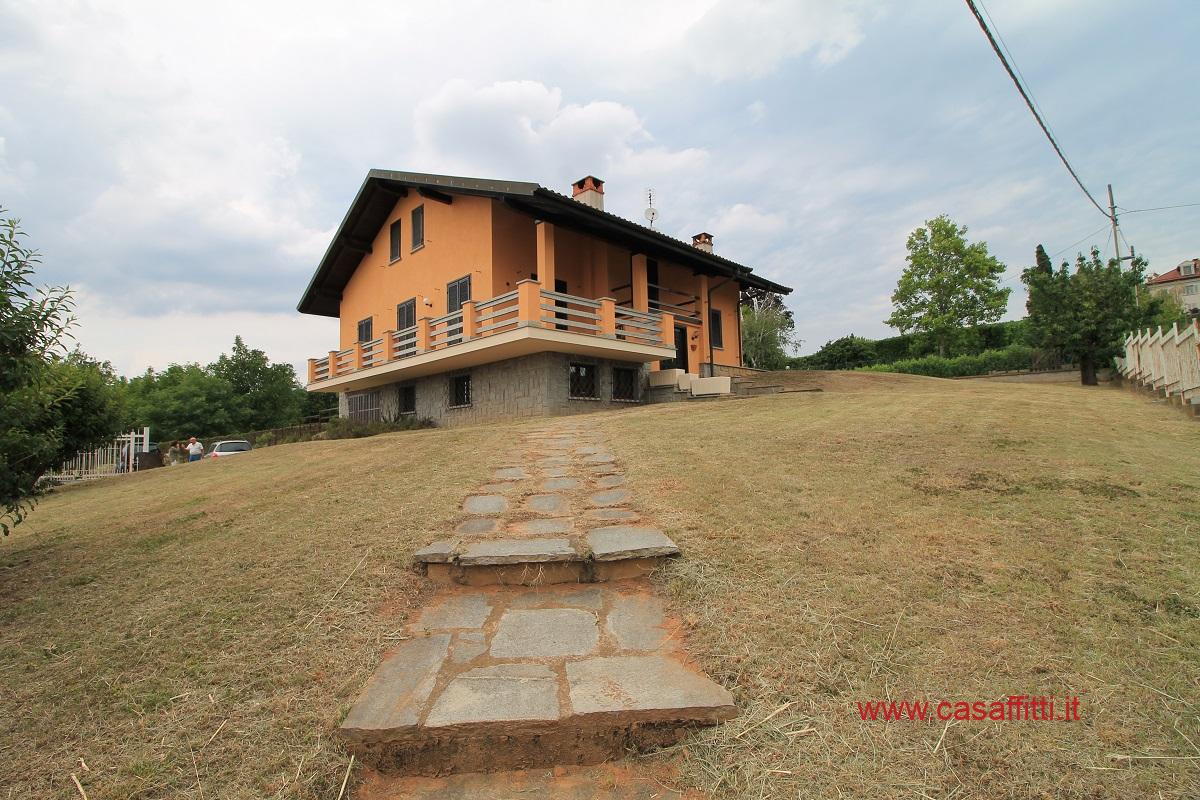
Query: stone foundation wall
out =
(727, 371)
(530, 386)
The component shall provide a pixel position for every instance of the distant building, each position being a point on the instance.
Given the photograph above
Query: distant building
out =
(1183, 282)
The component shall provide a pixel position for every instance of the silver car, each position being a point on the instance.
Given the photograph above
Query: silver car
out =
(229, 447)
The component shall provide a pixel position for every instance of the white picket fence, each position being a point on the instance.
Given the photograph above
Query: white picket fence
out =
(1165, 360)
(118, 457)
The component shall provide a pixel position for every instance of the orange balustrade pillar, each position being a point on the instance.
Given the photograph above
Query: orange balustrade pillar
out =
(608, 317)
(545, 254)
(312, 370)
(386, 348)
(333, 363)
(529, 302)
(668, 330)
(640, 283)
(422, 340)
(357, 357)
(468, 320)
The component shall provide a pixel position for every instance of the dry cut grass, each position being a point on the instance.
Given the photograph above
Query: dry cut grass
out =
(927, 539)
(197, 631)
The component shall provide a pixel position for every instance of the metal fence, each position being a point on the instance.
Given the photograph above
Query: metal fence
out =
(121, 456)
(1168, 361)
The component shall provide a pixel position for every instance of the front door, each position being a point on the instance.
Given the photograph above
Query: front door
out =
(680, 361)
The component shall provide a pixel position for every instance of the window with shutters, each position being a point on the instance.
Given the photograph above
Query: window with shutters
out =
(395, 239)
(406, 314)
(365, 329)
(418, 227)
(457, 293)
(365, 406)
(715, 334)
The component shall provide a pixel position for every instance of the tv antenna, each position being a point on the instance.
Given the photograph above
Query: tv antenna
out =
(651, 212)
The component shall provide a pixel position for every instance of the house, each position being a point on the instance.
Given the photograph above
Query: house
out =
(463, 300)
(1183, 282)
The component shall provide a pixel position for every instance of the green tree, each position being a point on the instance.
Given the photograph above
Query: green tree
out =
(1086, 313)
(948, 285)
(268, 394)
(848, 352)
(767, 336)
(183, 400)
(52, 403)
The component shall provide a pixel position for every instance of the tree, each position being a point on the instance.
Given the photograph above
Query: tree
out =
(848, 352)
(52, 403)
(948, 284)
(766, 331)
(268, 393)
(1086, 314)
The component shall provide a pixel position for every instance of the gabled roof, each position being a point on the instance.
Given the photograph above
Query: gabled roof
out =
(379, 192)
(1177, 274)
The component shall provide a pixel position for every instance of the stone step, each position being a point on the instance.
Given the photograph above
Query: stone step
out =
(517, 678)
(665, 377)
(708, 387)
(604, 553)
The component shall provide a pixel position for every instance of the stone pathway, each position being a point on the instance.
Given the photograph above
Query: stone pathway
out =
(546, 648)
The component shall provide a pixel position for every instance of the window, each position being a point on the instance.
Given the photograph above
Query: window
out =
(395, 234)
(582, 382)
(365, 406)
(406, 314)
(457, 293)
(715, 334)
(408, 399)
(418, 227)
(625, 384)
(232, 447)
(1187, 269)
(1191, 288)
(460, 391)
(365, 330)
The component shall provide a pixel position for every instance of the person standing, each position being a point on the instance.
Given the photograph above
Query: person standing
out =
(195, 449)
(173, 453)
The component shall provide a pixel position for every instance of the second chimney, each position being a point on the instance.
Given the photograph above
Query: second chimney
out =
(589, 190)
(703, 241)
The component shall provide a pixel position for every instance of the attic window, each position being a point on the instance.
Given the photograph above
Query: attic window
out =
(1188, 269)
(395, 237)
(418, 227)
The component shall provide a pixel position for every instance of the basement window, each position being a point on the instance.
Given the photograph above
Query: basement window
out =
(582, 382)
(625, 385)
(408, 399)
(460, 391)
(365, 406)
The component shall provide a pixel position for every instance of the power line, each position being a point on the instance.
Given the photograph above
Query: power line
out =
(1159, 208)
(1032, 109)
(1081, 241)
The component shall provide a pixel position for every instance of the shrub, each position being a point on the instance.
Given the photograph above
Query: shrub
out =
(1013, 357)
(266, 440)
(346, 428)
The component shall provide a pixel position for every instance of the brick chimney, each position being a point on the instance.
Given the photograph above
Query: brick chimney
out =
(589, 190)
(703, 241)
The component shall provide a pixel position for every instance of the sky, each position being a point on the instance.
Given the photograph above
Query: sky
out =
(184, 166)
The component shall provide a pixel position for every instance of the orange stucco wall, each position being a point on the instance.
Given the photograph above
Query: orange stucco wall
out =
(458, 242)
(514, 249)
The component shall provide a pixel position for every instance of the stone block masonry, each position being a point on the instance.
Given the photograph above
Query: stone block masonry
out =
(530, 386)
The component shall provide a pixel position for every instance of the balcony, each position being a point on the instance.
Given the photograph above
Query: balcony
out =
(527, 320)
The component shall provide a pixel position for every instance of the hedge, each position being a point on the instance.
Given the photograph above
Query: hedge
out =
(1013, 357)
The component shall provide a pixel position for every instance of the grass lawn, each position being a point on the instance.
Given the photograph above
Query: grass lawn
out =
(198, 631)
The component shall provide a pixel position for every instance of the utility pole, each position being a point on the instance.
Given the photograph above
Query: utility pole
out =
(1112, 215)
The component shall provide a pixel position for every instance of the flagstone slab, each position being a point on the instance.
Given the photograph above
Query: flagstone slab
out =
(635, 622)
(613, 514)
(547, 503)
(556, 472)
(562, 484)
(478, 526)
(615, 542)
(545, 633)
(659, 684)
(468, 645)
(396, 693)
(500, 693)
(438, 552)
(517, 551)
(543, 527)
(600, 458)
(591, 597)
(509, 474)
(485, 504)
(609, 497)
(610, 481)
(455, 611)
